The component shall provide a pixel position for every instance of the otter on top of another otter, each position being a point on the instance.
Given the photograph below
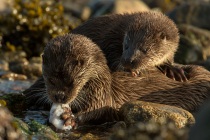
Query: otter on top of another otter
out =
(133, 42)
(75, 71)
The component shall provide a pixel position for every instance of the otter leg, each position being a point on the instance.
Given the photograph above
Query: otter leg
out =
(175, 72)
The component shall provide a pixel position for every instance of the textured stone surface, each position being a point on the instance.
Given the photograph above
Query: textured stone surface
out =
(8, 129)
(200, 131)
(194, 45)
(151, 131)
(145, 111)
(128, 6)
(195, 13)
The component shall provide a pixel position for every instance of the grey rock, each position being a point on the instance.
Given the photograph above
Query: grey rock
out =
(195, 13)
(194, 44)
(4, 65)
(101, 7)
(9, 86)
(187, 52)
(22, 66)
(205, 64)
(202, 126)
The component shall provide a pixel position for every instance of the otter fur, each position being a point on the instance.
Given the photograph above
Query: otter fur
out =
(133, 42)
(75, 72)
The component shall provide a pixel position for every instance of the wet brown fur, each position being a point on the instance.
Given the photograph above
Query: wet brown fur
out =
(133, 41)
(75, 66)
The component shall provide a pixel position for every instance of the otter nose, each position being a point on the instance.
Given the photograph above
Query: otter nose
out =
(60, 97)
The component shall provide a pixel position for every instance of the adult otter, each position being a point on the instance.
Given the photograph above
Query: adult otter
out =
(75, 71)
(135, 42)
(148, 38)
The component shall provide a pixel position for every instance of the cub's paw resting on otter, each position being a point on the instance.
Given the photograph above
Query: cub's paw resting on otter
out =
(175, 72)
(61, 117)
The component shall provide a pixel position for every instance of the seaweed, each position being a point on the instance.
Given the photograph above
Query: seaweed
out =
(31, 24)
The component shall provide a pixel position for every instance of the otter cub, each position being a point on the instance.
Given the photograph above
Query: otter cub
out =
(135, 42)
(75, 72)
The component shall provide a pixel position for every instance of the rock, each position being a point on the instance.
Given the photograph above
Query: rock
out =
(128, 6)
(8, 86)
(163, 5)
(197, 36)
(4, 66)
(145, 111)
(101, 7)
(13, 76)
(12, 56)
(8, 130)
(187, 52)
(194, 44)
(205, 64)
(32, 70)
(151, 131)
(5, 6)
(77, 9)
(195, 13)
(202, 126)
(40, 131)
(15, 129)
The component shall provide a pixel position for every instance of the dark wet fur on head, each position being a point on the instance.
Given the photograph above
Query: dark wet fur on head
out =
(95, 92)
(67, 67)
(151, 39)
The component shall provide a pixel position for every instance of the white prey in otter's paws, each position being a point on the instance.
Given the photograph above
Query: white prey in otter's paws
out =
(55, 116)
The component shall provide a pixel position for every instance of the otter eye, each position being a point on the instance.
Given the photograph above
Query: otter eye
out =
(50, 80)
(144, 50)
(78, 62)
(81, 62)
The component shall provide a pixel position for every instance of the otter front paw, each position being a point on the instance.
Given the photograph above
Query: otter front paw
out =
(68, 118)
(174, 72)
(60, 115)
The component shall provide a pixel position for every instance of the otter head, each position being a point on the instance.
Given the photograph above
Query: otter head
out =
(68, 64)
(149, 41)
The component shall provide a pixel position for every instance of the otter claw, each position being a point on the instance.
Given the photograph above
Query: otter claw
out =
(174, 72)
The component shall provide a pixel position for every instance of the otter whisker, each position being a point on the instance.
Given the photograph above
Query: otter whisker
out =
(81, 100)
(77, 103)
(35, 95)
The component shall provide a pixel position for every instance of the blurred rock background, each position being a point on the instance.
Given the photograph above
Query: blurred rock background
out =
(27, 25)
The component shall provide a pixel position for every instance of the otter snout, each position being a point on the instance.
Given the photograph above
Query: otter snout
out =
(60, 97)
(128, 63)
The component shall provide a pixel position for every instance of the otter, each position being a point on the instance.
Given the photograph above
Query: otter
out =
(75, 72)
(149, 39)
(136, 42)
